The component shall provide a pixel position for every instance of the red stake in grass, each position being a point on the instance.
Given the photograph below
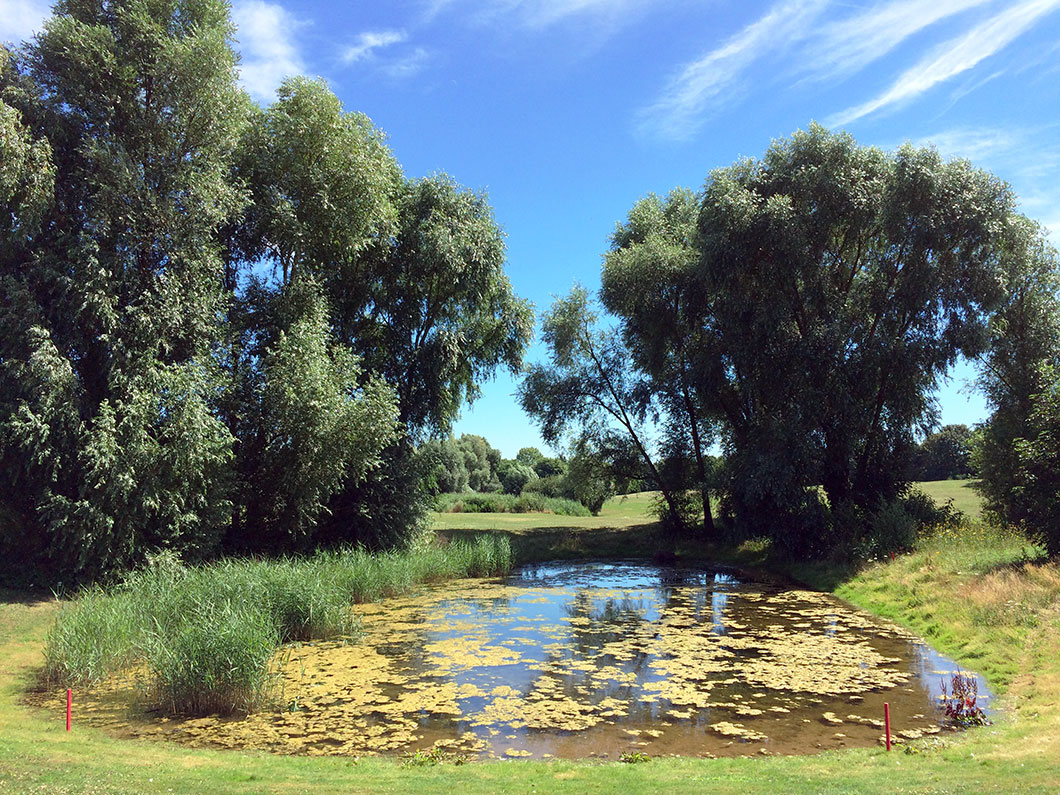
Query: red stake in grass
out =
(887, 723)
(69, 703)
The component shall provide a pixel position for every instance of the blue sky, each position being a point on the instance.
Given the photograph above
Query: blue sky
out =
(567, 111)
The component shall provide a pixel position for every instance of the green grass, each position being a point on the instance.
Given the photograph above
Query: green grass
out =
(965, 498)
(983, 599)
(206, 634)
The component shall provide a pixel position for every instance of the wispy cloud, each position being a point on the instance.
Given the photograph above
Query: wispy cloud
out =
(542, 13)
(407, 65)
(367, 43)
(710, 81)
(849, 44)
(20, 19)
(953, 57)
(265, 32)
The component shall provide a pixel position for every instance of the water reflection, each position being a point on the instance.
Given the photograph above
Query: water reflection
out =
(580, 659)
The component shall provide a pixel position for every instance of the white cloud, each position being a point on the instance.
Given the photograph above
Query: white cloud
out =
(265, 32)
(713, 79)
(849, 44)
(542, 13)
(953, 57)
(407, 65)
(370, 41)
(20, 19)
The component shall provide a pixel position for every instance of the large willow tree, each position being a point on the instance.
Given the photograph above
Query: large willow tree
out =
(805, 305)
(112, 295)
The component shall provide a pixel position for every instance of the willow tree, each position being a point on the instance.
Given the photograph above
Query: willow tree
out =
(411, 272)
(838, 284)
(110, 445)
(591, 391)
(646, 283)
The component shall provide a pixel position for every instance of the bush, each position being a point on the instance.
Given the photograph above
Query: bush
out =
(527, 502)
(515, 476)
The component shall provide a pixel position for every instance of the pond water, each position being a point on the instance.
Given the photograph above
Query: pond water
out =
(597, 659)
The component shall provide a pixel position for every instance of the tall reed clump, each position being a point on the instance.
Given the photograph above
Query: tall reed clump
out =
(205, 636)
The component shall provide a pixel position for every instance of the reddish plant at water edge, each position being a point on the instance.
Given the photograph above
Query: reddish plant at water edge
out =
(958, 701)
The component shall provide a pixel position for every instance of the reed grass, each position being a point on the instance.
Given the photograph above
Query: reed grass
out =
(205, 635)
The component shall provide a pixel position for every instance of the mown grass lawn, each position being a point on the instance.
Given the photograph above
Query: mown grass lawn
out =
(982, 599)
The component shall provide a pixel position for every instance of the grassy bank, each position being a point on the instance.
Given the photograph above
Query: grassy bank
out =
(205, 635)
(984, 599)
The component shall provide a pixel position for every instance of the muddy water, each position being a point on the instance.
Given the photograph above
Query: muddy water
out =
(591, 659)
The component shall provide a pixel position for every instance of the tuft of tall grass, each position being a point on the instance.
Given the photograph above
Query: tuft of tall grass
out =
(216, 661)
(206, 634)
(976, 546)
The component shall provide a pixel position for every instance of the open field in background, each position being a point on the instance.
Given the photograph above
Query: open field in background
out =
(983, 597)
(965, 498)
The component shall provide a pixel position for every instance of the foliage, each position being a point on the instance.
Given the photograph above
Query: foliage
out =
(589, 477)
(945, 454)
(1024, 335)
(321, 181)
(644, 283)
(527, 502)
(530, 456)
(514, 476)
(958, 701)
(111, 301)
(1036, 491)
(467, 463)
(429, 307)
(386, 510)
(308, 427)
(589, 385)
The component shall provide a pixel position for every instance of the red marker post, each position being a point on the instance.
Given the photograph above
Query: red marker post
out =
(887, 723)
(69, 704)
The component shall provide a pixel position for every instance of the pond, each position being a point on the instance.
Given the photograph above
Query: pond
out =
(595, 660)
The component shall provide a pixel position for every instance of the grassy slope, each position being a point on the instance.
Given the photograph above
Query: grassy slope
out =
(1002, 619)
(962, 492)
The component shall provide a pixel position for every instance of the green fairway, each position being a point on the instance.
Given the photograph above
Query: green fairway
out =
(997, 613)
(965, 498)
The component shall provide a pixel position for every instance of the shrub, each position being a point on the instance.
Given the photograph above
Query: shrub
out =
(528, 502)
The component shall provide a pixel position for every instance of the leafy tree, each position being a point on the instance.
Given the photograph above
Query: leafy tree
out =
(444, 467)
(1036, 491)
(837, 283)
(514, 475)
(112, 298)
(588, 385)
(309, 425)
(322, 184)
(412, 271)
(530, 456)
(589, 476)
(645, 282)
(481, 461)
(1024, 336)
(431, 309)
(944, 454)
(548, 467)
